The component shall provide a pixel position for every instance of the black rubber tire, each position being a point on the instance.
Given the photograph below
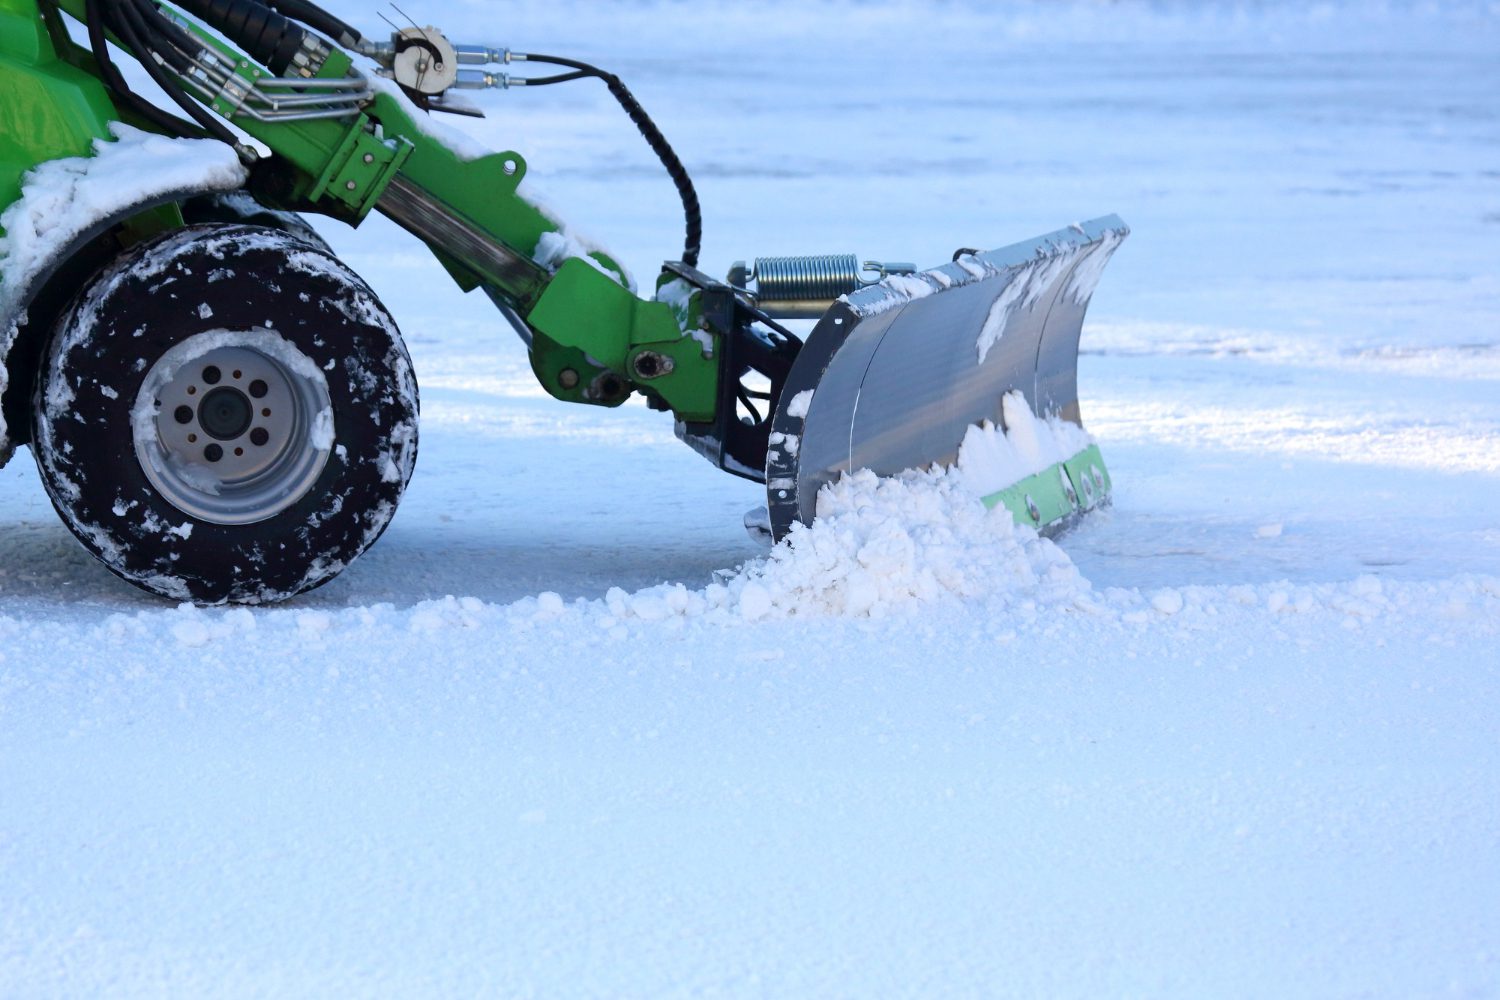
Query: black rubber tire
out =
(239, 206)
(152, 298)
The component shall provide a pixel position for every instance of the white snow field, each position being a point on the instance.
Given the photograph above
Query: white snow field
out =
(566, 731)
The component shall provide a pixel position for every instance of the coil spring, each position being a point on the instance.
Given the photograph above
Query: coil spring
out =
(785, 279)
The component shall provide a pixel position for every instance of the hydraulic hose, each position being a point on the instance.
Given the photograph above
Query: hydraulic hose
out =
(269, 38)
(691, 210)
(319, 20)
(95, 22)
(136, 30)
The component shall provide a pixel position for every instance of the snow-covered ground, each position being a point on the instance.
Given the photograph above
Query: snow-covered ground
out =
(1234, 737)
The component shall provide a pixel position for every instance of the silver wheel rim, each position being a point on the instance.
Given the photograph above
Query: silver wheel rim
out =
(233, 428)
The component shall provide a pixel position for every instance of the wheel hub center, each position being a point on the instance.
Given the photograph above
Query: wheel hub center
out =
(234, 438)
(225, 413)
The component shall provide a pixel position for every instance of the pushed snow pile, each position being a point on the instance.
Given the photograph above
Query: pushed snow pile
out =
(878, 546)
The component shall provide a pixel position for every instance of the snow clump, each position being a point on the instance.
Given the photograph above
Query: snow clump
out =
(992, 459)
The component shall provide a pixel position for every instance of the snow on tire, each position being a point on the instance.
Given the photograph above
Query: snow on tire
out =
(226, 414)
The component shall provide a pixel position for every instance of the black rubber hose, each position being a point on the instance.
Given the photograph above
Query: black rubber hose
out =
(130, 27)
(99, 46)
(159, 34)
(319, 20)
(691, 210)
(269, 38)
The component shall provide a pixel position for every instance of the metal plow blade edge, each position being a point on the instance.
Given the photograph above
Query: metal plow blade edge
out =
(894, 376)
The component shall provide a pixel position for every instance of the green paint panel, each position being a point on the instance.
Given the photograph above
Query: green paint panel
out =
(692, 387)
(49, 110)
(549, 362)
(1048, 492)
(584, 309)
(1090, 477)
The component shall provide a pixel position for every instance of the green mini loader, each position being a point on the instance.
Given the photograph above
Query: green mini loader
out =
(221, 411)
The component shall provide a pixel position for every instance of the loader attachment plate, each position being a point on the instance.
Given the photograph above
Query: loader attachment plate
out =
(894, 376)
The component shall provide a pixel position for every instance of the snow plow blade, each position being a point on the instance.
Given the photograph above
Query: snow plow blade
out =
(898, 375)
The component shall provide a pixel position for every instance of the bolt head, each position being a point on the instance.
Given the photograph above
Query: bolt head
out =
(567, 378)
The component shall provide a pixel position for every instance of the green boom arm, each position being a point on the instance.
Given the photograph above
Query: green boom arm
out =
(592, 340)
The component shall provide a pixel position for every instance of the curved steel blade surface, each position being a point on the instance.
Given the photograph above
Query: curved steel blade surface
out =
(893, 376)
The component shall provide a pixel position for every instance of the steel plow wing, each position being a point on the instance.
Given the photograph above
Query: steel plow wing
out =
(979, 355)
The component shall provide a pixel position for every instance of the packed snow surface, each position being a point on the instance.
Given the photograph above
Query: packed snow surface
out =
(567, 731)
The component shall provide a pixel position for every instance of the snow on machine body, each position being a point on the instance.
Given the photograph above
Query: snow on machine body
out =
(222, 411)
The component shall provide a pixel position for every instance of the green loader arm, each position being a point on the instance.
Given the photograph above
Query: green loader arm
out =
(591, 339)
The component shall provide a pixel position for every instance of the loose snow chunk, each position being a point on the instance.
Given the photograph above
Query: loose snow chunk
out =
(799, 404)
(555, 248)
(992, 459)
(312, 622)
(789, 443)
(676, 293)
(189, 625)
(755, 601)
(321, 436)
(192, 632)
(448, 614)
(1168, 601)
